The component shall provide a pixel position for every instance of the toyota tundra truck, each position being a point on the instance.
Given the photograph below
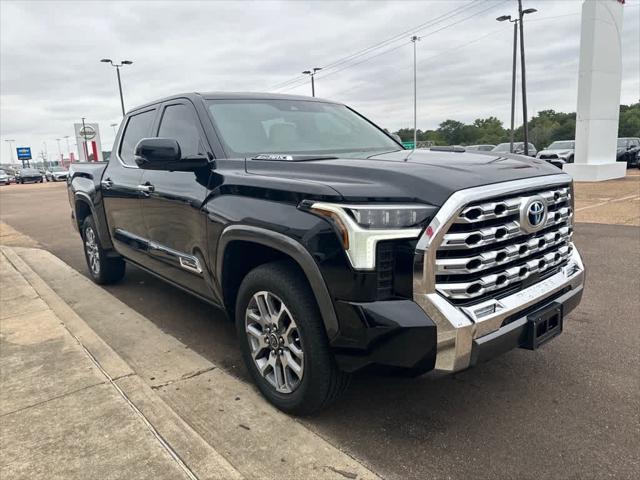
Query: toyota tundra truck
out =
(333, 248)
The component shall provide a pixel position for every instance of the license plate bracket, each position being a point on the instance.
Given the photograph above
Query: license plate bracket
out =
(542, 326)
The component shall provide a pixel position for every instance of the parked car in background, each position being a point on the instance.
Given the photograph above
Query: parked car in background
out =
(28, 175)
(6, 178)
(480, 148)
(558, 153)
(518, 147)
(56, 174)
(627, 151)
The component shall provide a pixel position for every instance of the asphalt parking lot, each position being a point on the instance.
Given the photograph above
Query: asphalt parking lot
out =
(568, 410)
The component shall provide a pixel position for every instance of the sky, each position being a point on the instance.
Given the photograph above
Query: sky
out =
(51, 74)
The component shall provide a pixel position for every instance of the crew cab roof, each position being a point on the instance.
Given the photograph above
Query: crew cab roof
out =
(231, 96)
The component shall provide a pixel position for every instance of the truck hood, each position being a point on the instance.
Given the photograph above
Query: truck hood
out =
(403, 175)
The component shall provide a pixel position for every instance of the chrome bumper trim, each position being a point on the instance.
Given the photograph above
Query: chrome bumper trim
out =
(459, 326)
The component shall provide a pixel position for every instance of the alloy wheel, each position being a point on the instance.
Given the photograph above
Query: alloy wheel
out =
(274, 341)
(93, 253)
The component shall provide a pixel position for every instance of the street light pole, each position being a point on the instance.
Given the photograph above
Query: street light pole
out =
(312, 74)
(114, 125)
(513, 76)
(525, 126)
(11, 142)
(117, 67)
(414, 40)
(59, 150)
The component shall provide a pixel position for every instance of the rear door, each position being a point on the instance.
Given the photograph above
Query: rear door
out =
(172, 207)
(121, 192)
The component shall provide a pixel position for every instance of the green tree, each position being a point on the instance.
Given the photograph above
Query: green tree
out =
(451, 131)
(629, 125)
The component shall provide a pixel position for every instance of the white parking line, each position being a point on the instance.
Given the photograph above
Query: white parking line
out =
(608, 201)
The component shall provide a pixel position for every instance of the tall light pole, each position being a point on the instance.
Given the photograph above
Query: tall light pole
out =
(11, 142)
(66, 137)
(312, 74)
(45, 156)
(525, 126)
(59, 150)
(414, 40)
(513, 75)
(114, 125)
(117, 67)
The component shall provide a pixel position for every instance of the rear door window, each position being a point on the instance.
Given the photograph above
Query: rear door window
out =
(138, 127)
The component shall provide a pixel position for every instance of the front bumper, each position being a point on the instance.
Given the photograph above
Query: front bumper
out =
(464, 333)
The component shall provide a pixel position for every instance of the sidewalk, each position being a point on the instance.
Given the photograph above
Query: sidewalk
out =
(61, 413)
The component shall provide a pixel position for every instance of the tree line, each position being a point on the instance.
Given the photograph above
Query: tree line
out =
(544, 128)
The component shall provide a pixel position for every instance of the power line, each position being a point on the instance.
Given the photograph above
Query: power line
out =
(383, 43)
(349, 65)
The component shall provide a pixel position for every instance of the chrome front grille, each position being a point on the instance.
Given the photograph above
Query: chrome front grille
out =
(486, 252)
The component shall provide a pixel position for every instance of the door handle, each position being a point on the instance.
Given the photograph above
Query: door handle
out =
(146, 188)
(107, 183)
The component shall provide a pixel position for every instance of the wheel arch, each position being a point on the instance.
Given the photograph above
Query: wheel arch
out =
(84, 207)
(270, 246)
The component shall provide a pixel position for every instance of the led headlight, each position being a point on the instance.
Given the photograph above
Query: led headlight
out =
(361, 227)
(389, 216)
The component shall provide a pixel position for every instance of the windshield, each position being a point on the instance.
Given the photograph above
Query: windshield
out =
(622, 142)
(29, 171)
(2, 172)
(561, 146)
(250, 127)
(56, 169)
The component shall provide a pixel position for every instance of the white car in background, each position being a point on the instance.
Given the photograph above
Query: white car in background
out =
(559, 152)
(56, 174)
(5, 178)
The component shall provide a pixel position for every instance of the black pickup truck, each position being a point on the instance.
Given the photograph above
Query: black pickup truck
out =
(333, 248)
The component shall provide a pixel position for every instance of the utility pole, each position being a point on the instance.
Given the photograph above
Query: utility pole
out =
(59, 150)
(525, 126)
(312, 74)
(11, 142)
(513, 75)
(414, 40)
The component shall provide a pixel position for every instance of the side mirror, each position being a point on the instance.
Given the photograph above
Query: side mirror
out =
(165, 154)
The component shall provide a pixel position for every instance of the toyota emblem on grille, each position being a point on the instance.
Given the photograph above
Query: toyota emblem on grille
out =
(533, 214)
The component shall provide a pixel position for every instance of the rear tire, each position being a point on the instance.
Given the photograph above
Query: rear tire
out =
(104, 270)
(282, 335)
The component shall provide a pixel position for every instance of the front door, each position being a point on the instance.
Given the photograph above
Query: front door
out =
(172, 206)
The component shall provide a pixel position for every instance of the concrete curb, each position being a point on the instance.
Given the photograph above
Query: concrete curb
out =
(205, 414)
(199, 460)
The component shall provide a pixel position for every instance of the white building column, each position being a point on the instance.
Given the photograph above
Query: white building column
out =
(599, 84)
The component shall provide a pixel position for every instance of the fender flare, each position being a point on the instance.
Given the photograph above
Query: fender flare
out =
(291, 248)
(105, 240)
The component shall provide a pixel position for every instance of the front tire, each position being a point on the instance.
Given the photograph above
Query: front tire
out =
(104, 270)
(283, 341)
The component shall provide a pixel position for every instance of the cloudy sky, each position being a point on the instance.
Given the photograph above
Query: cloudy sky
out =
(51, 75)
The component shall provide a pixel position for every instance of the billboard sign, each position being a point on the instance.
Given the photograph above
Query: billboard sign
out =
(89, 144)
(24, 153)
